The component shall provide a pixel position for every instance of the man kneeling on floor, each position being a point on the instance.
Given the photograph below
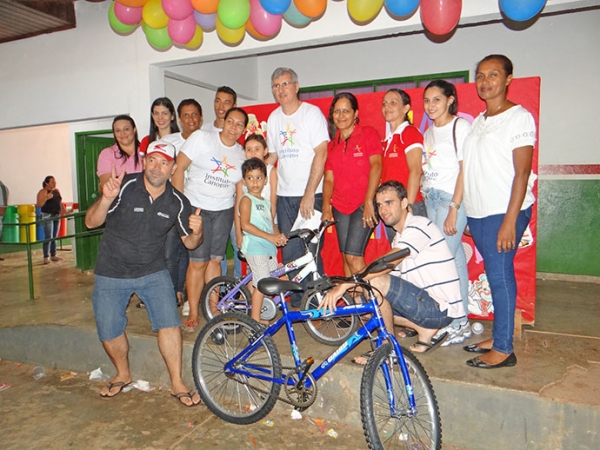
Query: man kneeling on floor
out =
(423, 291)
(139, 210)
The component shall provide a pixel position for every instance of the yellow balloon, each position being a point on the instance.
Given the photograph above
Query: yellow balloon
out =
(196, 41)
(229, 36)
(364, 10)
(153, 14)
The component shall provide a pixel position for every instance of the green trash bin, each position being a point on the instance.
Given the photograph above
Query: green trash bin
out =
(10, 228)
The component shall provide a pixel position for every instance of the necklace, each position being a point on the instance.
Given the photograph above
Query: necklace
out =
(495, 111)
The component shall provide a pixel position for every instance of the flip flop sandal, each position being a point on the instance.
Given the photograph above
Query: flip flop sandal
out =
(364, 355)
(408, 332)
(190, 326)
(435, 343)
(117, 384)
(183, 395)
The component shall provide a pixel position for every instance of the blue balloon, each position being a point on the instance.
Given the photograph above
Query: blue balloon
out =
(275, 6)
(401, 7)
(521, 10)
(295, 17)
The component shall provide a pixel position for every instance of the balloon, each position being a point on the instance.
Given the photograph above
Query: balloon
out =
(311, 8)
(364, 10)
(233, 14)
(229, 36)
(440, 16)
(255, 34)
(157, 37)
(295, 17)
(116, 24)
(182, 31)
(154, 16)
(205, 6)
(521, 10)
(206, 21)
(197, 39)
(127, 14)
(177, 9)
(401, 7)
(275, 6)
(133, 3)
(263, 22)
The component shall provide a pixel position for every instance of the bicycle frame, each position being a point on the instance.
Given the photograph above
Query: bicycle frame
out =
(236, 364)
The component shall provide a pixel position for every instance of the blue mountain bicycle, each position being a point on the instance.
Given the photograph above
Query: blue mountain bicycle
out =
(239, 375)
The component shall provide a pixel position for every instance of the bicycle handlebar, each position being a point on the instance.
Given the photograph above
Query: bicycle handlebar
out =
(307, 234)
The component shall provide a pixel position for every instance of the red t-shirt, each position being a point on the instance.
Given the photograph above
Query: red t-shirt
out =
(349, 161)
(405, 138)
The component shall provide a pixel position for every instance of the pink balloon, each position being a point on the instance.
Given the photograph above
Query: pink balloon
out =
(127, 14)
(440, 16)
(182, 31)
(177, 9)
(263, 22)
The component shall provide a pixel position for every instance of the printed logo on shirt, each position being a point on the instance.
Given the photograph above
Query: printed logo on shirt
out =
(357, 152)
(260, 207)
(160, 214)
(428, 154)
(222, 166)
(288, 144)
(391, 149)
(138, 209)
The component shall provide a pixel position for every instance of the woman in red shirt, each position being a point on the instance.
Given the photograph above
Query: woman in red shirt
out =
(352, 173)
(403, 149)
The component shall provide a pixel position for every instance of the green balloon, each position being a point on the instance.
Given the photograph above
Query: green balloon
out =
(158, 37)
(116, 24)
(234, 14)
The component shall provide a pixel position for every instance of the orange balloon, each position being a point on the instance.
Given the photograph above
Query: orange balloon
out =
(206, 6)
(311, 8)
(132, 3)
(255, 34)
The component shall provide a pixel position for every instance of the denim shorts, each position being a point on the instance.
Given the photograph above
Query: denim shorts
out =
(111, 298)
(352, 236)
(415, 304)
(215, 233)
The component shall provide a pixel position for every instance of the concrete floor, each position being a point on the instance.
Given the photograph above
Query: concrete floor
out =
(559, 364)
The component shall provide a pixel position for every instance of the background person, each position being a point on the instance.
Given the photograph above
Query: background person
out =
(297, 136)
(163, 121)
(497, 158)
(352, 173)
(50, 200)
(442, 185)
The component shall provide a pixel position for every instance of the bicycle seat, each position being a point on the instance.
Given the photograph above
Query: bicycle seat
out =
(274, 286)
(241, 256)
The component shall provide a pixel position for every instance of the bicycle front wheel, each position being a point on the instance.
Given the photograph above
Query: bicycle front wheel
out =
(329, 330)
(238, 398)
(216, 289)
(397, 426)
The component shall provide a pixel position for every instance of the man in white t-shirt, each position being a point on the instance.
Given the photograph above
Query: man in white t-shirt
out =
(297, 137)
(225, 99)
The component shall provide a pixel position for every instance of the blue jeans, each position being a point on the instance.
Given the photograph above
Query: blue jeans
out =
(437, 203)
(500, 271)
(51, 228)
(111, 298)
(287, 212)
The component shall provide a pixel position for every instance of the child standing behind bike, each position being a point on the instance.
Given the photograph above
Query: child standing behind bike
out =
(260, 234)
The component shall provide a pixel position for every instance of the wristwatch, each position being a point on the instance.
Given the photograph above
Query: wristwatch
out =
(455, 205)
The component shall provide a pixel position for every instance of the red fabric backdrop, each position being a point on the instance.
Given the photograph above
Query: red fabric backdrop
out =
(524, 91)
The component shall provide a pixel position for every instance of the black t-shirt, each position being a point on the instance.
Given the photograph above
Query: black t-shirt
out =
(133, 244)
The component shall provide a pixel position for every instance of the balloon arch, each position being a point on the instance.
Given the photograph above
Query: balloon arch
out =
(183, 22)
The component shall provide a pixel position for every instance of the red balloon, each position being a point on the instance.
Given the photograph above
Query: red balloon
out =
(440, 16)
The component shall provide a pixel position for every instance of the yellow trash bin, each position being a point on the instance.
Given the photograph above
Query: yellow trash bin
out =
(27, 216)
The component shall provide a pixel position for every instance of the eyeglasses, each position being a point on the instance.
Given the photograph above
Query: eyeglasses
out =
(284, 84)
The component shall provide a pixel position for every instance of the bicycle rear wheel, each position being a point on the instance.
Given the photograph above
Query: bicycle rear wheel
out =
(236, 398)
(332, 330)
(216, 289)
(400, 428)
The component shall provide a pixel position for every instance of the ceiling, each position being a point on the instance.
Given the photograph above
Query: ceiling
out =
(21, 19)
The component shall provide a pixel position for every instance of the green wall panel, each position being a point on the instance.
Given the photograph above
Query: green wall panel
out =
(568, 227)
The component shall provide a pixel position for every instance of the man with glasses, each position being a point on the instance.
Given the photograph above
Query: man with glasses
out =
(297, 138)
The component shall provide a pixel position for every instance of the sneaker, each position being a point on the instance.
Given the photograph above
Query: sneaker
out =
(186, 309)
(455, 335)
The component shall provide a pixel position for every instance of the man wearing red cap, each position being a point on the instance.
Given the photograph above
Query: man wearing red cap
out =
(139, 210)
